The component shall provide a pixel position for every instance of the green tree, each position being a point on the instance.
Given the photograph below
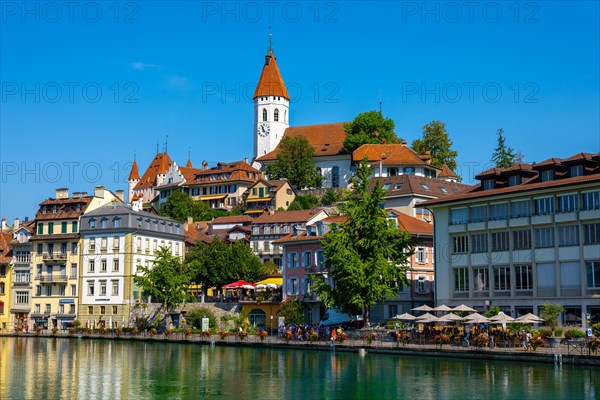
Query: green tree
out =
(271, 268)
(293, 311)
(295, 163)
(306, 202)
(166, 281)
(503, 156)
(194, 318)
(330, 197)
(219, 263)
(549, 313)
(492, 312)
(370, 127)
(437, 141)
(367, 256)
(179, 206)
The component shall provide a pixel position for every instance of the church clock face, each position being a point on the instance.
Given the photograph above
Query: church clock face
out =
(263, 130)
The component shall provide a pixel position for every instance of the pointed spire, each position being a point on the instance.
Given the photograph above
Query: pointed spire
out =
(270, 82)
(189, 161)
(134, 174)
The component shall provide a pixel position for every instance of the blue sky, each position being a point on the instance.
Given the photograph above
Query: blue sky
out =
(84, 87)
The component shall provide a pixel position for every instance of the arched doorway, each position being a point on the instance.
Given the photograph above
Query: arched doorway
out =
(258, 318)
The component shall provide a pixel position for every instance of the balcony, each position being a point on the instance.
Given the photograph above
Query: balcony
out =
(54, 256)
(54, 278)
(22, 284)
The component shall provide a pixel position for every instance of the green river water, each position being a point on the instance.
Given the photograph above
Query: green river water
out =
(39, 368)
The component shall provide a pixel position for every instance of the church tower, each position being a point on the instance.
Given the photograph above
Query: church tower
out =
(134, 178)
(271, 107)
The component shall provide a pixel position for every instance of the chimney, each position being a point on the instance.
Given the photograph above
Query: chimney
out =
(82, 194)
(4, 227)
(204, 164)
(62, 193)
(189, 221)
(99, 192)
(246, 160)
(76, 194)
(26, 220)
(16, 224)
(403, 143)
(121, 195)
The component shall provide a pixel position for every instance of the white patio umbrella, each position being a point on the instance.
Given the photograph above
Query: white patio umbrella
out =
(451, 318)
(405, 317)
(501, 318)
(529, 316)
(272, 286)
(463, 308)
(476, 319)
(443, 307)
(249, 287)
(423, 307)
(425, 316)
(527, 321)
(430, 318)
(260, 287)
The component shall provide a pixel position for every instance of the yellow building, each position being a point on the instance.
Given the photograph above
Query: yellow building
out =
(5, 279)
(56, 255)
(267, 195)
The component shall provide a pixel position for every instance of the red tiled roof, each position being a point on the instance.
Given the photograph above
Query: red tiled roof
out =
(270, 82)
(194, 235)
(189, 163)
(326, 139)
(411, 184)
(475, 192)
(335, 219)
(232, 219)
(286, 216)
(189, 173)
(159, 165)
(301, 237)
(392, 154)
(517, 169)
(134, 174)
(414, 226)
(66, 208)
(5, 248)
(446, 172)
(577, 158)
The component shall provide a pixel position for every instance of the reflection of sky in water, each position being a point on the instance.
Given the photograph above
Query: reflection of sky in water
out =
(85, 369)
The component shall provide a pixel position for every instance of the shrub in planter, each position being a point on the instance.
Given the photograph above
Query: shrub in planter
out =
(223, 335)
(545, 332)
(596, 329)
(574, 334)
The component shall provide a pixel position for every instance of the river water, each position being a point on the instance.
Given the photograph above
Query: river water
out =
(40, 368)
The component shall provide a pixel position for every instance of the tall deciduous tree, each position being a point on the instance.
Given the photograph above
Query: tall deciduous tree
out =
(369, 128)
(179, 206)
(219, 263)
(503, 156)
(166, 281)
(367, 256)
(437, 141)
(295, 163)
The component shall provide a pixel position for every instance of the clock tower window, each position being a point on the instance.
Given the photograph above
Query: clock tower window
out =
(264, 114)
(276, 115)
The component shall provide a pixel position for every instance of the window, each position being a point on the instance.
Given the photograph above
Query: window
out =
(102, 288)
(48, 308)
(320, 258)
(90, 310)
(115, 310)
(267, 230)
(72, 309)
(424, 214)
(544, 206)
(117, 222)
(547, 175)
(307, 259)
(22, 298)
(116, 265)
(523, 277)
(591, 233)
(501, 278)
(38, 290)
(568, 235)
(264, 113)
(570, 276)
(306, 285)
(458, 216)
(544, 237)
(92, 244)
(104, 223)
(103, 243)
(293, 260)
(591, 201)
(292, 288)
(50, 228)
(2, 287)
(480, 279)
(92, 223)
(387, 186)
(461, 280)
(90, 288)
(286, 229)
(36, 309)
(461, 244)
(48, 290)
(103, 265)
(592, 272)
(62, 290)
(335, 176)
(74, 247)
(546, 278)
(276, 115)
(92, 266)
(443, 190)
(102, 310)
(479, 243)
(421, 255)
(409, 171)
(498, 211)
(63, 227)
(514, 180)
(424, 186)
(489, 184)
(115, 288)
(392, 171)
(522, 239)
(521, 208)
(567, 203)
(74, 226)
(576, 170)
(422, 285)
(73, 290)
(255, 230)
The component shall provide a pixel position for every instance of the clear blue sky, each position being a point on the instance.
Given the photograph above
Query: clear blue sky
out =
(160, 67)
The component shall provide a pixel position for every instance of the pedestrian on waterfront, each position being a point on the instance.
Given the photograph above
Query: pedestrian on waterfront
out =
(523, 337)
(333, 335)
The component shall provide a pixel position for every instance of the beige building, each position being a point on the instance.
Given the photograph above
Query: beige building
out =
(267, 195)
(524, 236)
(56, 255)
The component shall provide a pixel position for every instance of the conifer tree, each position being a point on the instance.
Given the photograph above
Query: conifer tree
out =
(503, 156)
(437, 141)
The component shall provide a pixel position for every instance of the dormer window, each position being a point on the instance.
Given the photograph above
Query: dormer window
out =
(54, 209)
(424, 186)
(387, 186)
(514, 180)
(44, 210)
(547, 175)
(92, 223)
(443, 190)
(398, 186)
(576, 170)
(489, 184)
(104, 223)
(117, 222)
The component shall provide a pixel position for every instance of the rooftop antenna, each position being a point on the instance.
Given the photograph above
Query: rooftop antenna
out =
(166, 143)
(270, 40)
(380, 104)
(189, 153)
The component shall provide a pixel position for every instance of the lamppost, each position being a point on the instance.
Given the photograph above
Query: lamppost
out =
(271, 326)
